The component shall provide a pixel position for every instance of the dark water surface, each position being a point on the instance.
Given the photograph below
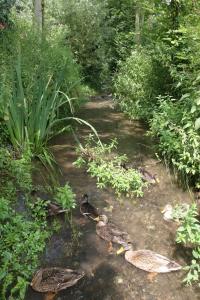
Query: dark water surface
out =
(110, 277)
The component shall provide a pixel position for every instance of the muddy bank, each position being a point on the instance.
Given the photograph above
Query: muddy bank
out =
(109, 277)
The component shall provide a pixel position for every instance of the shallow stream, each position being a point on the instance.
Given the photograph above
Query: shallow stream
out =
(110, 277)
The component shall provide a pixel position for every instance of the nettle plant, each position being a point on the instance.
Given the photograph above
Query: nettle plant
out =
(101, 162)
(188, 234)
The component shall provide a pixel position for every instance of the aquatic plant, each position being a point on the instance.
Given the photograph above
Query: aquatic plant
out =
(65, 197)
(103, 164)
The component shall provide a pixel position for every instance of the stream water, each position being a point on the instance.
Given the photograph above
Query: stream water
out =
(110, 277)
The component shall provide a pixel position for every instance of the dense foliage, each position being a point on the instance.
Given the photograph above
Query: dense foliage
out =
(188, 235)
(23, 223)
(159, 82)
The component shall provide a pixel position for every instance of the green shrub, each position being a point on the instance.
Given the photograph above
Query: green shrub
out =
(23, 233)
(65, 197)
(38, 77)
(179, 140)
(188, 235)
(103, 164)
(87, 34)
(134, 85)
(21, 243)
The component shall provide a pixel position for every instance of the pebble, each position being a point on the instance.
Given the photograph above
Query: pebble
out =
(119, 280)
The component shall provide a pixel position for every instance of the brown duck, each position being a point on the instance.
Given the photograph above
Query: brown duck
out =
(148, 260)
(55, 209)
(53, 280)
(147, 176)
(110, 232)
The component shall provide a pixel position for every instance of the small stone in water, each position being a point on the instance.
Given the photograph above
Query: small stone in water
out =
(119, 280)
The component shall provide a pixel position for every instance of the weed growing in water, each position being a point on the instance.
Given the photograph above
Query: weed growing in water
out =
(65, 197)
(103, 164)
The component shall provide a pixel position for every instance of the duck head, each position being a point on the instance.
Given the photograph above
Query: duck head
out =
(102, 220)
(84, 198)
(125, 247)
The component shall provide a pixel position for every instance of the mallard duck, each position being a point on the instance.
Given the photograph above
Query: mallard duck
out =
(175, 214)
(148, 260)
(86, 209)
(55, 209)
(110, 232)
(167, 212)
(147, 176)
(53, 280)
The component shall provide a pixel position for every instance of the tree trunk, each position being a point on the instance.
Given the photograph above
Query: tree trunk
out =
(39, 13)
(137, 25)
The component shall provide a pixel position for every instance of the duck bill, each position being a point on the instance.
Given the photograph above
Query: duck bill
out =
(121, 250)
(97, 219)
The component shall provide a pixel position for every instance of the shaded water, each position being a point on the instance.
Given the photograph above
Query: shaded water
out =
(109, 277)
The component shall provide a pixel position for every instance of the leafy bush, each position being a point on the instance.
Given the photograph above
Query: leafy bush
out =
(40, 57)
(87, 33)
(23, 234)
(65, 197)
(134, 85)
(179, 141)
(5, 7)
(22, 240)
(40, 87)
(106, 167)
(188, 235)
(16, 171)
(20, 245)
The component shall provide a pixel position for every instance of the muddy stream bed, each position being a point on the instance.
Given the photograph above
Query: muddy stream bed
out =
(110, 277)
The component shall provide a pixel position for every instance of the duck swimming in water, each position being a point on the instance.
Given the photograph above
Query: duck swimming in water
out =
(147, 176)
(148, 260)
(87, 209)
(110, 232)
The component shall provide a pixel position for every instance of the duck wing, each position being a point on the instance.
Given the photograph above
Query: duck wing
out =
(118, 235)
(55, 279)
(151, 262)
(86, 209)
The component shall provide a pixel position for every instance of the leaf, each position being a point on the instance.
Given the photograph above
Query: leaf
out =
(187, 95)
(198, 101)
(197, 124)
(193, 109)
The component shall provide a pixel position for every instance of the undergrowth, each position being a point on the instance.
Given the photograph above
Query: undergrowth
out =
(23, 223)
(101, 162)
(188, 234)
